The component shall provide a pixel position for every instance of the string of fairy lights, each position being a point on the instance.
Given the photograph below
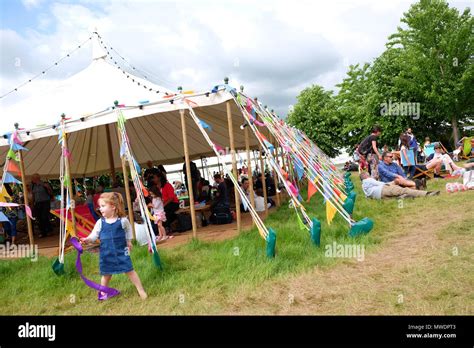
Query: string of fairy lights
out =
(170, 97)
(43, 72)
(109, 49)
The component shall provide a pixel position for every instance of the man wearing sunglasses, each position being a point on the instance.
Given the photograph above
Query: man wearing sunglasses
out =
(392, 172)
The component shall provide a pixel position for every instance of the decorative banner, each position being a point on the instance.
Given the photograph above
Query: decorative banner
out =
(191, 103)
(17, 147)
(66, 153)
(5, 204)
(219, 149)
(205, 125)
(10, 179)
(330, 211)
(311, 190)
(3, 217)
(300, 222)
(122, 149)
(11, 154)
(13, 168)
(28, 212)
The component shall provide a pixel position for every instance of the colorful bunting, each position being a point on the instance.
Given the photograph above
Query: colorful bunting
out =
(11, 154)
(311, 190)
(205, 125)
(10, 179)
(17, 147)
(330, 211)
(13, 168)
(3, 217)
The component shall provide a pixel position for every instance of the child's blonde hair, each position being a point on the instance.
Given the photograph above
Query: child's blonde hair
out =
(115, 199)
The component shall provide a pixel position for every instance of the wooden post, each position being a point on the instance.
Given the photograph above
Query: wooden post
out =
(69, 185)
(25, 197)
(128, 197)
(264, 184)
(275, 175)
(111, 156)
(188, 173)
(283, 159)
(249, 168)
(234, 163)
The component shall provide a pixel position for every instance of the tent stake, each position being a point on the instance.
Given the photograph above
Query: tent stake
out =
(234, 164)
(189, 184)
(126, 185)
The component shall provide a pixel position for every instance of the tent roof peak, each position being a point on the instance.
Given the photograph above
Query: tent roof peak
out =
(98, 51)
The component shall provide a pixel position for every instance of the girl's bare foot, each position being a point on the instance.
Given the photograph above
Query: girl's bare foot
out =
(143, 295)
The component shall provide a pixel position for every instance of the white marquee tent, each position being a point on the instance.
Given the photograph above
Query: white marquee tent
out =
(154, 128)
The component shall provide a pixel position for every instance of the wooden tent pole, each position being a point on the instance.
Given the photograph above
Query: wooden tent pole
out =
(188, 173)
(128, 196)
(111, 155)
(264, 184)
(25, 195)
(249, 168)
(69, 185)
(275, 175)
(283, 165)
(234, 164)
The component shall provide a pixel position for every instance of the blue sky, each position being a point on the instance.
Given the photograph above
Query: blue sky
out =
(275, 48)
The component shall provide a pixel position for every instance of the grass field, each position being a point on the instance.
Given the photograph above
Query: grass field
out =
(418, 260)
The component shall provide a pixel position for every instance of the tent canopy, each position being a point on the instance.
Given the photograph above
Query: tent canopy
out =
(87, 98)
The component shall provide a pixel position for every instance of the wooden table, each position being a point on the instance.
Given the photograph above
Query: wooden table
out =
(197, 209)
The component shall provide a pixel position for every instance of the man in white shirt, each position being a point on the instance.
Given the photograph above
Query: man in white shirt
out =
(377, 190)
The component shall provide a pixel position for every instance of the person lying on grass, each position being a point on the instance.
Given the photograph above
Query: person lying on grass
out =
(378, 190)
(115, 234)
(390, 172)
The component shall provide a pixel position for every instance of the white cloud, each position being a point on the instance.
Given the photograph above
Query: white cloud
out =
(274, 48)
(31, 4)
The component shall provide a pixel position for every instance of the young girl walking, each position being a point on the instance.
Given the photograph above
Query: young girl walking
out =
(159, 213)
(115, 234)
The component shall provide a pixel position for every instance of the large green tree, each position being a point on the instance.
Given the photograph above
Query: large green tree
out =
(314, 114)
(436, 47)
(427, 64)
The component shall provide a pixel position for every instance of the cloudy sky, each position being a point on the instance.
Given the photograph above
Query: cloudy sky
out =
(274, 48)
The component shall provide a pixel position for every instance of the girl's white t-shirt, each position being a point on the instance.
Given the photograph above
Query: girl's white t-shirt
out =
(127, 227)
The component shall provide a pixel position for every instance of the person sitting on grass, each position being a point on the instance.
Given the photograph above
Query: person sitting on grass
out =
(392, 172)
(378, 190)
(439, 159)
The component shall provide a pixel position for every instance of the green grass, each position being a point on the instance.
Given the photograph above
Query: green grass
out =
(208, 276)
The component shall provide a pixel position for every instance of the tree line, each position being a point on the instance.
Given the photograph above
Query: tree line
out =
(424, 80)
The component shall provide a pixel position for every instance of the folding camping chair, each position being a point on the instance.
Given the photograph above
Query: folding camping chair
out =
(466, 152)
(421, 170)
(428, 150)
(85, 221)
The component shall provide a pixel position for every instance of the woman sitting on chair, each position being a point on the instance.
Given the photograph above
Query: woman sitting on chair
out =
(439, 158)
